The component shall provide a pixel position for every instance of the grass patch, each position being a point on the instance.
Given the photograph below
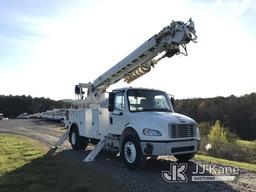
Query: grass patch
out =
(16, 151)
(244, 143)
(237, 150)
(25, 165)
(242, 165)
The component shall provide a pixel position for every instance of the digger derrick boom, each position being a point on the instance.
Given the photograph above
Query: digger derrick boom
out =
(169, 41)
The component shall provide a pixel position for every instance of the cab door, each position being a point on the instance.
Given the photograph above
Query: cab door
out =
(118, 117)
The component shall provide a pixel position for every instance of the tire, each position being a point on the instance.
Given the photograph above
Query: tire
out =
(76, 141)
(131, 152)
(183, 158)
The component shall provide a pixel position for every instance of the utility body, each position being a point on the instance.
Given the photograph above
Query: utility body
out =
(137, 123)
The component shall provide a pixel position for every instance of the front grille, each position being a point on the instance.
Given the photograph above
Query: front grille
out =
(181, 130)
(181, 149)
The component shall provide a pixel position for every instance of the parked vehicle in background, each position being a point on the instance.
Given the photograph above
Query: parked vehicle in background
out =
(23, 116)
(1, 116)
(57, 115)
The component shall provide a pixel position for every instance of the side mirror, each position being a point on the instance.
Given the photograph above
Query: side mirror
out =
(110, 108)
(172, 101)
(111, 102)
(78, 90)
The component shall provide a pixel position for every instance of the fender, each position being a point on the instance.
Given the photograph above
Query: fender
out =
(73, 126)
(126, 131)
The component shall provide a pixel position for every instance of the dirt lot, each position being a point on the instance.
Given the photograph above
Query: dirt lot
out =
(149, 179)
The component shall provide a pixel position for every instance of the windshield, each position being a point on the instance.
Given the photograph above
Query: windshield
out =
(148, 100)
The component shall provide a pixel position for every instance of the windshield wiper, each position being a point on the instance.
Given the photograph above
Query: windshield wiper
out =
(158, 109)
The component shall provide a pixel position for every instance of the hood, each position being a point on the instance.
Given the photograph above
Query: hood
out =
(157, 120)
(165, 117)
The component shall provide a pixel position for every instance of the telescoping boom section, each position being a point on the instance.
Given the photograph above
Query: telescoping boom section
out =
(169, 41)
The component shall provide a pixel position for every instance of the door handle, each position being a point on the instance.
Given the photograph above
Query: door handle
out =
(117, 113)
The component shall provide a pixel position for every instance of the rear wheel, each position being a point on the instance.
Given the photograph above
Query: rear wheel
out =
(183, 158)
(76, 141)
(131, 152)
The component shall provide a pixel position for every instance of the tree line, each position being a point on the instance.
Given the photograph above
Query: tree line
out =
(236, 113)
(12, 106)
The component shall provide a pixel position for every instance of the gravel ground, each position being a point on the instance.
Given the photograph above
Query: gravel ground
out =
(148, 179)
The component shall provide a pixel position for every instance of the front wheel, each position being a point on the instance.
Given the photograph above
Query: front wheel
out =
(131, 152)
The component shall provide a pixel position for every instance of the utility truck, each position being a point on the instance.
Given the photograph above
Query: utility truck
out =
(137, 123)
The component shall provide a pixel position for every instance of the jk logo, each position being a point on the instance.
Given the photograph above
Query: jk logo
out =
(176, 173)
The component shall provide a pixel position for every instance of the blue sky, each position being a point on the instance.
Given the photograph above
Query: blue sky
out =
(20, 28)
(46, 47)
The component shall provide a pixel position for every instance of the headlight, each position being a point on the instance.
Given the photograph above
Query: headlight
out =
(151, 132)
(197, 133)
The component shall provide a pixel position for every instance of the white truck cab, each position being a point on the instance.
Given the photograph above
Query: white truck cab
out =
(138, 123)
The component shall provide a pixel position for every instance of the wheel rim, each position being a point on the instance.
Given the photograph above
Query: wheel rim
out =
(73, 138)
(130, 152)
